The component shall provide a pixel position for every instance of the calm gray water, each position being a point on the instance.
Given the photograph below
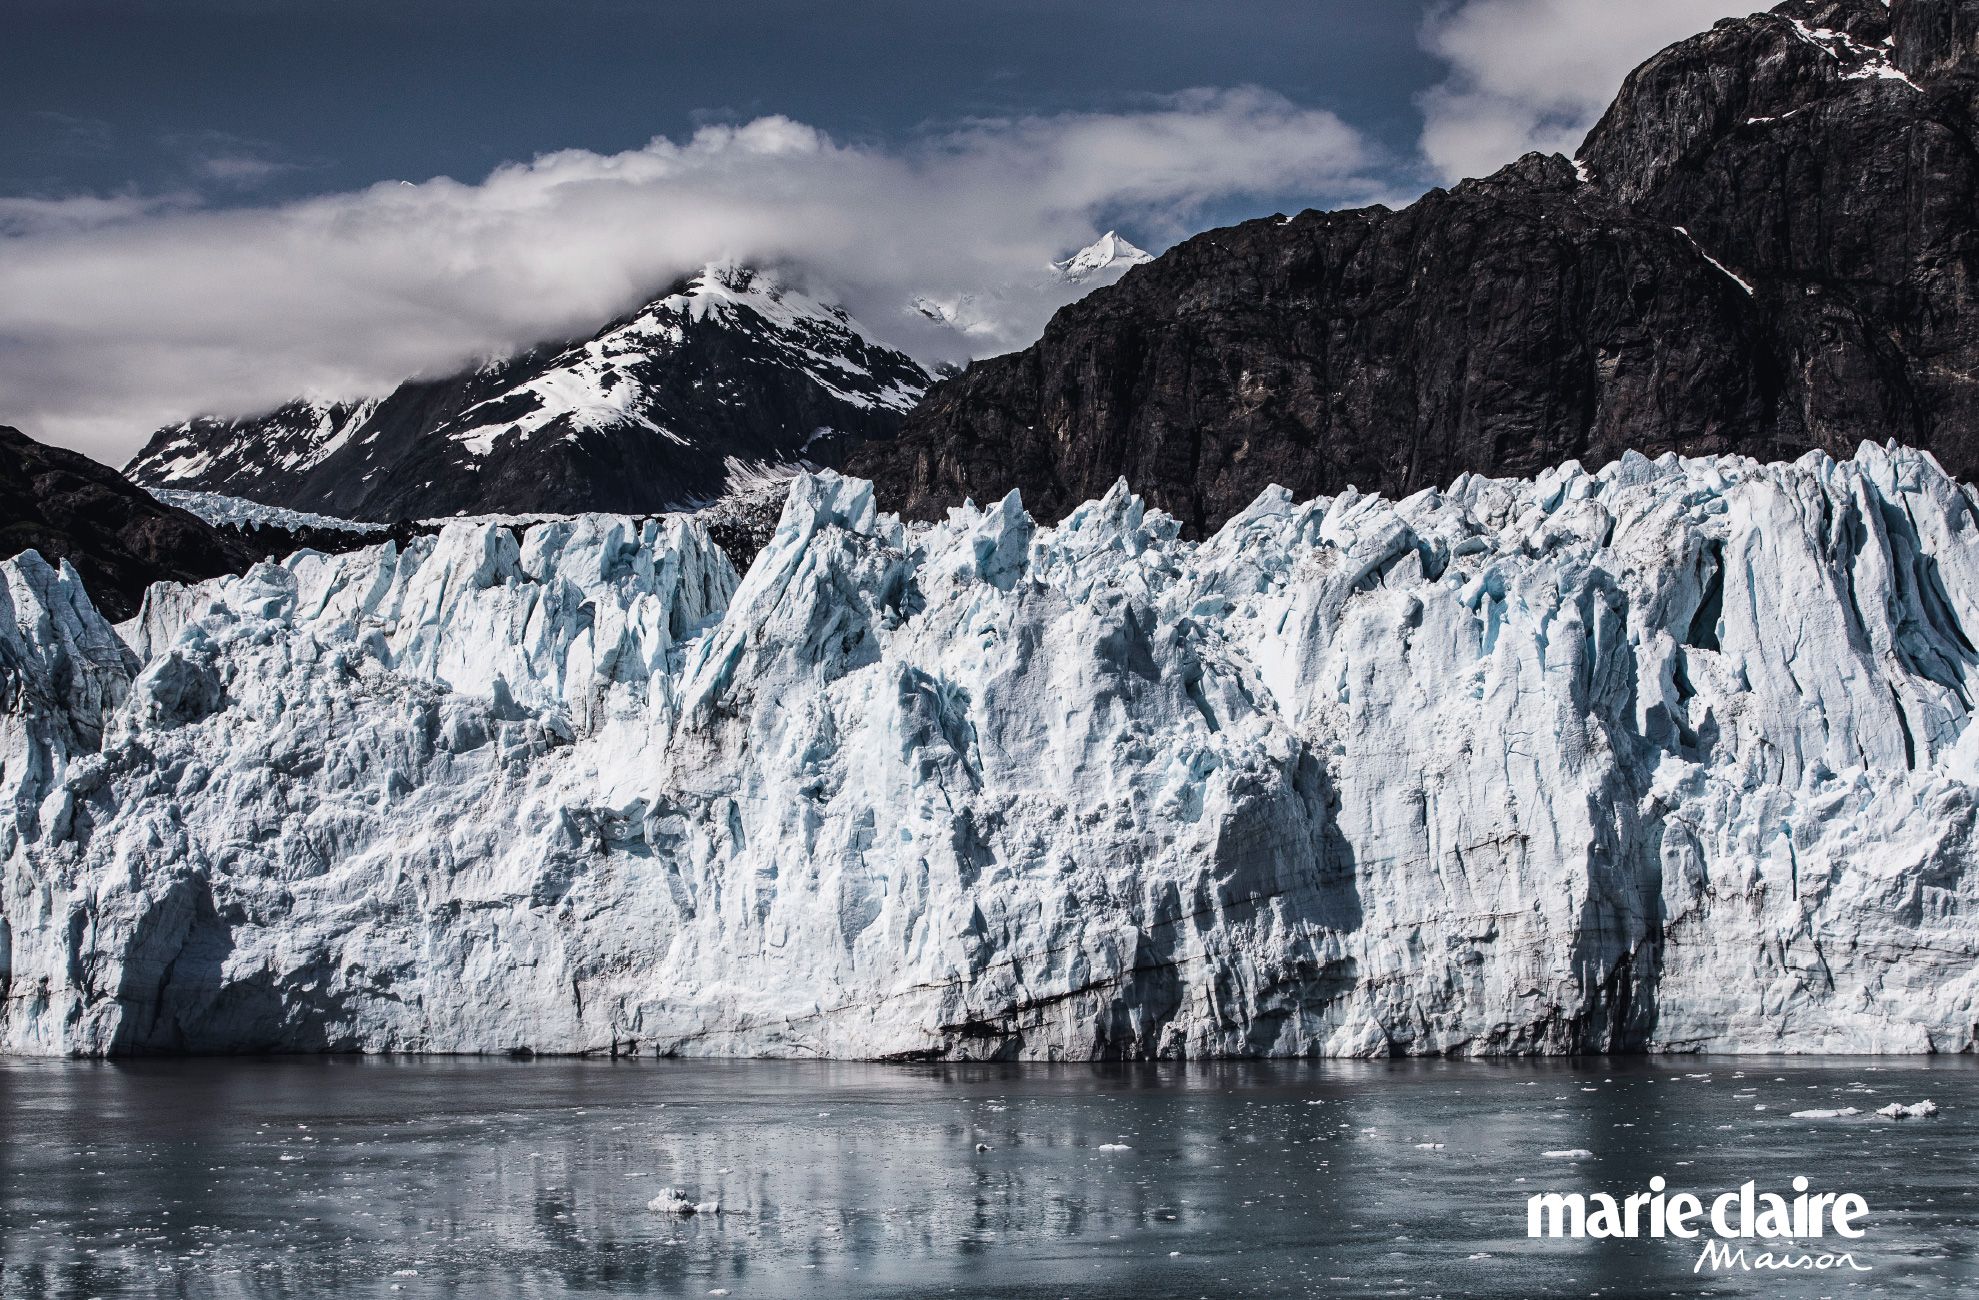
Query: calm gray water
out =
(410, 1177)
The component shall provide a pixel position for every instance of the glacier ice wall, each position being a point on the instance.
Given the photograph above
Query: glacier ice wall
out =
(1671, 756)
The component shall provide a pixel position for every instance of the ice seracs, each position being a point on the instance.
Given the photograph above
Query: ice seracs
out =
(1673, 755)
(217, 508)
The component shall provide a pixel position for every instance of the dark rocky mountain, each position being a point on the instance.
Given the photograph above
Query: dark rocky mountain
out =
(668, 407)
(68, 507)
(1767, 245)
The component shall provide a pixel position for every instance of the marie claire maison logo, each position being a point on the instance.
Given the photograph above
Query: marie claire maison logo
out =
(1745, 1229)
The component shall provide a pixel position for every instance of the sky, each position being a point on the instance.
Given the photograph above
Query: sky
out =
(211, 206)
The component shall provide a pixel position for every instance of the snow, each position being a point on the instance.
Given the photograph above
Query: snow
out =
(813, 335)
(579, 395)
(597, 385)
(1870, 62)
(1676, 753)
(296, 437)
(990, 320)
(1109, 256)
(1735, 277)
(335, 425)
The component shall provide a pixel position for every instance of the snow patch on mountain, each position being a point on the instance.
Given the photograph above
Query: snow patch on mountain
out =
(1673, 755)
(1866, 61)
(597, 384)
(294, 439)
(733, 365)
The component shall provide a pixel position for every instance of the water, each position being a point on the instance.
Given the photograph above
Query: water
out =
(381, 1177)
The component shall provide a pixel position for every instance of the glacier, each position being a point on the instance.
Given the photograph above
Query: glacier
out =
(1672, 756)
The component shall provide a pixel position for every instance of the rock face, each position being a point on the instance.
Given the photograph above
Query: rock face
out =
(121, 539)
(1767, 245)
(675, 405)
(1675, 756)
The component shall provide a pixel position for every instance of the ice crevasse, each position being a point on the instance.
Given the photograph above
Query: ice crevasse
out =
(1672, 756)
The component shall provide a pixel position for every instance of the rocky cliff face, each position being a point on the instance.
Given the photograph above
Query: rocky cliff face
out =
(1767, 246)
(1678, 755)
(675, 405)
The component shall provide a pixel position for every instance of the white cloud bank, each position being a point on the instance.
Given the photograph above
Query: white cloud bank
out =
(1536, 74)
(121, 314)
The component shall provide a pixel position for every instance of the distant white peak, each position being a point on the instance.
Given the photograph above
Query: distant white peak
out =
(1108, 253)
(971, 315)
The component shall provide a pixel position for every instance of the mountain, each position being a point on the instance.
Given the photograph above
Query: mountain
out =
(997, 317)
(730, 371)
(119, 538)
(1104, 260)
(1679, 755)
(1769, 244)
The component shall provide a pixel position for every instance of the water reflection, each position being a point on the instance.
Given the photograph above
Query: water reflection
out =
(299, 1177)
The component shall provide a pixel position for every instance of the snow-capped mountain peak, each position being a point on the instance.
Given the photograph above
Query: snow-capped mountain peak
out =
(1002, 316)
(609, 380)
(1109, 255)
(733, 364)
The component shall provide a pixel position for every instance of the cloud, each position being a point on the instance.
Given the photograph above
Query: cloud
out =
(118, 315)
(1536, 74)
(234, 161)
(65, 133)
(23, 217)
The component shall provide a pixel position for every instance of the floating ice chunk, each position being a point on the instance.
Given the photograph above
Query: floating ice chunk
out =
(1571, 1153)
(1115, 1146)
(673, 1200)
(1840, 1113)
(1897, 1110)
(981, 1147)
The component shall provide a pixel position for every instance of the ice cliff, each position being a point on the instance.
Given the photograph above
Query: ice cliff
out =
(1676, 755)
